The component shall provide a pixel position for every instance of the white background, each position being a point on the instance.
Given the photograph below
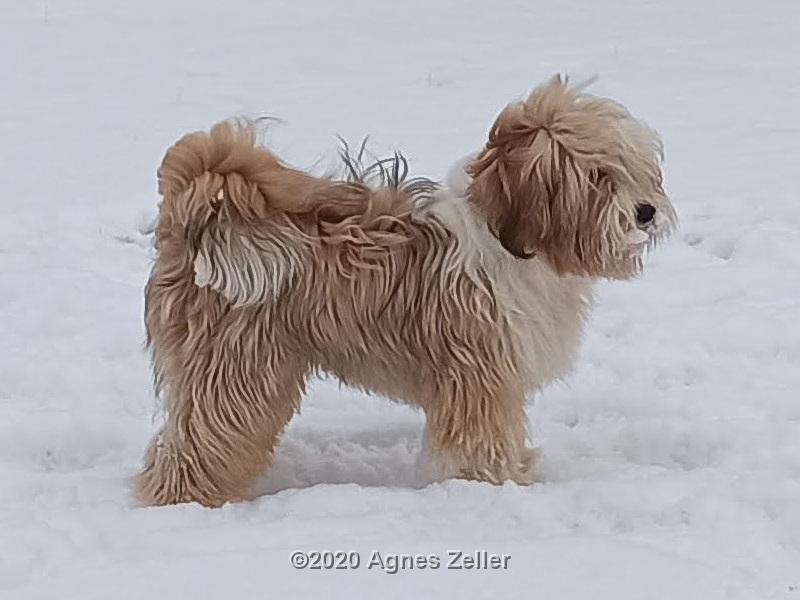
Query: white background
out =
(670, 457)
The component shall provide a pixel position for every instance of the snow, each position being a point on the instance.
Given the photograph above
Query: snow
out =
(670, 458)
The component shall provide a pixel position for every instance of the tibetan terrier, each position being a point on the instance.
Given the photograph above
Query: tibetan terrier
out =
(460, 300)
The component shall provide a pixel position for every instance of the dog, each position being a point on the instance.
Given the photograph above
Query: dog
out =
(460, 300)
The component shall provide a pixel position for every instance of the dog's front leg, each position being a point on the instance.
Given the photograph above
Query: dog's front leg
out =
(477, 430)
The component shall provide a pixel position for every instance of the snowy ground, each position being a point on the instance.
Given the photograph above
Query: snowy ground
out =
(670, 458)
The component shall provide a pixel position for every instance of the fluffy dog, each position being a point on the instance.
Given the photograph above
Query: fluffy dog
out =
(460, 300)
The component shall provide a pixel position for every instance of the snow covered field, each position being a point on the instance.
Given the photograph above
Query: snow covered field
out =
(670, 458)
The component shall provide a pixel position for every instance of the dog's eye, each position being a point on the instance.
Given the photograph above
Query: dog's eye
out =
(601, 179)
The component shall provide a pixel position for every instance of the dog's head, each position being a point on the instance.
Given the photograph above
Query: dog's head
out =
(573, 179)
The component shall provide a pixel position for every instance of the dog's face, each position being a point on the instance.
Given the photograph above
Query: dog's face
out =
(573, 179)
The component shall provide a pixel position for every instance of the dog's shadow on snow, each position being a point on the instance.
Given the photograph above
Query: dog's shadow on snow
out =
(385, 456)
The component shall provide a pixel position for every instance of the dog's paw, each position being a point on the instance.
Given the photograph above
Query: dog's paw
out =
(525, 472)
(439, 466)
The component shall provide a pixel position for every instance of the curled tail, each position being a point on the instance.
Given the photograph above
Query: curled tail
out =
(224, 213)
(225, 172)
(240, 222)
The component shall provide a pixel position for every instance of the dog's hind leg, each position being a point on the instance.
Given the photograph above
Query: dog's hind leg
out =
(227, 405)
(477, 430)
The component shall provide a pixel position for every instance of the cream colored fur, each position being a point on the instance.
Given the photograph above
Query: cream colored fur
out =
(543, 311)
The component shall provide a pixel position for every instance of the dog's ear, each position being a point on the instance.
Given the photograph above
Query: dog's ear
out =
(512, 184)
(499, 192)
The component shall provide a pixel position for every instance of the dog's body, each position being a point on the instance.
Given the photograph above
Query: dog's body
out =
(265, 275)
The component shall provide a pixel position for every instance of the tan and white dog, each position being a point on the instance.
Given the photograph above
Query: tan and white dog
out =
(459, 300)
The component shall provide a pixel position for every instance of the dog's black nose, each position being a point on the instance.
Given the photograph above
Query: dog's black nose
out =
(645, 213)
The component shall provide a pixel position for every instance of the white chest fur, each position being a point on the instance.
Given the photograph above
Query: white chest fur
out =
(544, 312)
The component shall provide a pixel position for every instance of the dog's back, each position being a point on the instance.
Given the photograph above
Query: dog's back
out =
(243, 217)
(332, 266)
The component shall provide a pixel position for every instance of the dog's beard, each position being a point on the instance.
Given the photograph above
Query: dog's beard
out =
(637, 237)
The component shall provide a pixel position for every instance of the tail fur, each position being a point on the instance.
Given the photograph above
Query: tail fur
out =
(245, 221)
(224, 170)
(225, 202)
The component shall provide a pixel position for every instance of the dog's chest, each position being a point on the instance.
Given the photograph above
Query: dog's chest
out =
(545, 314)
(543, 311)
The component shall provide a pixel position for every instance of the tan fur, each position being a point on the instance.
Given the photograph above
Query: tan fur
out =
(265, 275)
(561, 176)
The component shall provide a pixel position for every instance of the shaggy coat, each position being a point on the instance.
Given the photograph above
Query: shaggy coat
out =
(460, 301)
